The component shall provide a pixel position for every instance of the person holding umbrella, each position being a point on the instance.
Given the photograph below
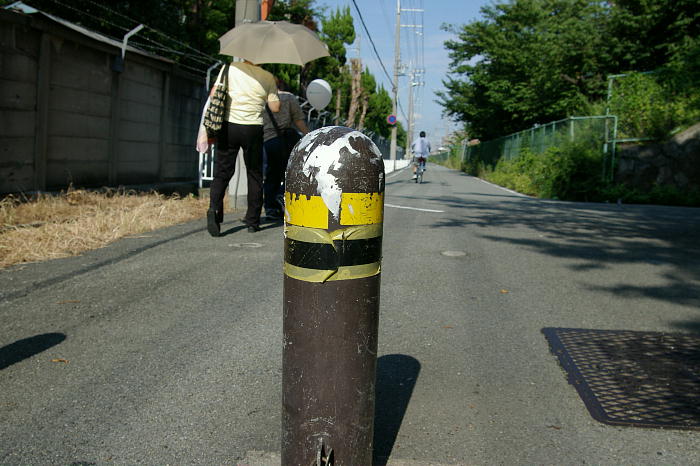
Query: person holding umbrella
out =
(249, 89)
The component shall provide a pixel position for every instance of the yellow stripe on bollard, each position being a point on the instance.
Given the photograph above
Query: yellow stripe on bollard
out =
(305, 211)
(361, 208)
(355, 209)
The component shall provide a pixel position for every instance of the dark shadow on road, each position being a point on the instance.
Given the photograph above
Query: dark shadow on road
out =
(233, 230)
(28, 347)
(591, 236)
(396, 378)
(689, 326)
(272, 224)
(399, 180)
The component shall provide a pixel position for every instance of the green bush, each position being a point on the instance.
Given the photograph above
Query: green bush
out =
(572, 172)
(513, 174)
(653, 105)
(453, 161)
(682, 73)
(473, 167)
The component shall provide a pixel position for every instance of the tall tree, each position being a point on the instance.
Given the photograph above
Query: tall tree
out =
(644, 34)
(337, 31)
(378, 109)
(533, 61)
(527, 61)
(369, 87)
(355, 91)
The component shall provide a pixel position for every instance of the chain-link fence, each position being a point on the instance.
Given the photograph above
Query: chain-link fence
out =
(598, 131)
(640, 107)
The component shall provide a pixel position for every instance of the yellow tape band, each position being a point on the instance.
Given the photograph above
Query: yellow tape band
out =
(319, 236)
(314, 235)
(343, 273)
(355, 209)
(361, 208)
(306, 211)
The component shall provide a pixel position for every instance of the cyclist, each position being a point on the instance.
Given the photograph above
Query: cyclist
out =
(421, 149)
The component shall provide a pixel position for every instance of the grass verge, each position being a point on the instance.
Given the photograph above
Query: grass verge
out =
(67, 224)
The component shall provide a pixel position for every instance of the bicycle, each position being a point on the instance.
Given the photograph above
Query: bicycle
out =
(420, 168)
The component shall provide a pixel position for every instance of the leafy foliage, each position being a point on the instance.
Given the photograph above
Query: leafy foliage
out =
(187, 29)
(533, 61)
(644, 35)
(646, 107)
(570, 172)
(183, 27)
(527, 61)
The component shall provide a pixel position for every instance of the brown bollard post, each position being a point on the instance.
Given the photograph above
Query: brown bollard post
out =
(334, 210)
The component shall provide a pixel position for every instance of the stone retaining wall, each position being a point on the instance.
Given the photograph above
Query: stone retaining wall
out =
(673, 163)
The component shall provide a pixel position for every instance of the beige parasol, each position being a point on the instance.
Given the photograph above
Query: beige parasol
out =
(273, 42)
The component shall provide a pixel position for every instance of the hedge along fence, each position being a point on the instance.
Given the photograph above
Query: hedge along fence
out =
(640, 107)
(596, 132)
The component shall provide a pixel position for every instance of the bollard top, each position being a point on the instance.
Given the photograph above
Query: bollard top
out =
(334, 163)
(334, 207)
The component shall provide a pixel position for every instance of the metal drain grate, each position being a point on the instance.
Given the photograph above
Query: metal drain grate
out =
(643, 379)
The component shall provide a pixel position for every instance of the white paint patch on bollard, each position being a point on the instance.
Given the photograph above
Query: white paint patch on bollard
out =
(323, 163)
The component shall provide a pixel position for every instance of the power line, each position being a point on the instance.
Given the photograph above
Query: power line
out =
(85, 13)
(156, 31)
(369, 36)
(401, 109)
(197, 57)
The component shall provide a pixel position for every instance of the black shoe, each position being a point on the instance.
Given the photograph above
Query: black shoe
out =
(253, 228)
(273, 214)
(213, 226)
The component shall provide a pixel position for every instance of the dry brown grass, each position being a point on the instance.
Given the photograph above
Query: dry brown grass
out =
(75, 221)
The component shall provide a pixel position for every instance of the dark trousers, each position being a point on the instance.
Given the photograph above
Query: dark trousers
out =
(232, 138)
(277, 152)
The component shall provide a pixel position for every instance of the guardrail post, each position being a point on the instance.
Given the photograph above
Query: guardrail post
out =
(334, 207)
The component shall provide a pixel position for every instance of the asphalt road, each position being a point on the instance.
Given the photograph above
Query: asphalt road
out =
(166, 348)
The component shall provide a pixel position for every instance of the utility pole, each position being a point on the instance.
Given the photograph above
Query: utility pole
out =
(247, 11)
(397, 71)
(411, 121)
(409, 129)
(395, 84)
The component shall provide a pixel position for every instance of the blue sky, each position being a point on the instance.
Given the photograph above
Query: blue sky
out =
(380, 18)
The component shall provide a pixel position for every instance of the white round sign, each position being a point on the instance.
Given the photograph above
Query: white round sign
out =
(319, 94)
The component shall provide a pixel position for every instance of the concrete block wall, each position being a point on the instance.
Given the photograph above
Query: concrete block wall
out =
(67, 117)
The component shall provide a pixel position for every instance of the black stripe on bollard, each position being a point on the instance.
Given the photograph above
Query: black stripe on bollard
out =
(331, 256)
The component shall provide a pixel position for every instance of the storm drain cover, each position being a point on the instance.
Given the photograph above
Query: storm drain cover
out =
(643, 379)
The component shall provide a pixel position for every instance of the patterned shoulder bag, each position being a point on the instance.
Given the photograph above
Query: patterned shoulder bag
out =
(214, 117)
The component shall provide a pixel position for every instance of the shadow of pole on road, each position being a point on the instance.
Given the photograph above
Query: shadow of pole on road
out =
(396, 378)
(28, 347)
